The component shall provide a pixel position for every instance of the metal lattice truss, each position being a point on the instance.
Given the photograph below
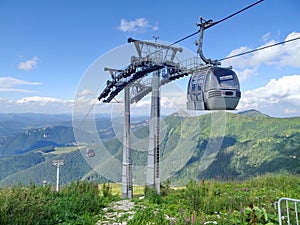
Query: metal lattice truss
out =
(151, 57)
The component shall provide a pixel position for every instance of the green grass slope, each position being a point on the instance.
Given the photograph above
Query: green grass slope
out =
(252, 145)
(220, 145)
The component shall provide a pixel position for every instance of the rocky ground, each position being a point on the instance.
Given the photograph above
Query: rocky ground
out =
(118, 213)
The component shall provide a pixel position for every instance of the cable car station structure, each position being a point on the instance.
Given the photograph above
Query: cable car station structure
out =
(142, 76)
(154, 67)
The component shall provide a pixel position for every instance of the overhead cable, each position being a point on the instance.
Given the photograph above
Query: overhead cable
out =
(212, 24)
(237, 12)
(258, 49)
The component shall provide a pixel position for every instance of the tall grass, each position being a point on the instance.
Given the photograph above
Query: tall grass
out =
(252, 202)
(77, 203)
(249, 202)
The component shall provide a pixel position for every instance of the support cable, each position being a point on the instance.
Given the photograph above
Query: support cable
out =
(258, 49)
(184, 38)
(215, 23)
(212, 24)
(80, 124)
(87, 114)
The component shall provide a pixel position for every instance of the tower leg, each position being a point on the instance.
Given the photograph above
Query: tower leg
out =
(126, 165)
(153, 173)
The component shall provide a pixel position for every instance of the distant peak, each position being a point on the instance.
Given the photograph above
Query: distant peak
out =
(180, 113)
(252, 112)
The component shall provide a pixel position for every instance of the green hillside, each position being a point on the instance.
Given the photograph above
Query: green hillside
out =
(24, 171)
(14, 164)
(220, 145)
(36, 138)
(23, 133)
(252, 145)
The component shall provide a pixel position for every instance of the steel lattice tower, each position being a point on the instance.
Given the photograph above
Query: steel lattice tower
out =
(143, 76)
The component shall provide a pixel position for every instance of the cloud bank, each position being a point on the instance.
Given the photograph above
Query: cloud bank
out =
(9, 84)
(284, 55)
(37, 104)
(279, 95)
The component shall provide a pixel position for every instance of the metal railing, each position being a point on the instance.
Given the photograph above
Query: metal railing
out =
(288, 213)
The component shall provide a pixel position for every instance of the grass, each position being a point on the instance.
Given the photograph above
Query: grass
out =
(76, 203)
(63, 150)
(249, 202)
(116, 189)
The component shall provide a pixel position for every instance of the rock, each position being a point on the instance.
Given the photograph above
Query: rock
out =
(117, 210)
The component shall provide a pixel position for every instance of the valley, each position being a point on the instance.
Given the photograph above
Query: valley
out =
(253, 144)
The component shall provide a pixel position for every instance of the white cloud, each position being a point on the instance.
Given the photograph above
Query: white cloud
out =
(281, 94)
(266, 37)
(29, 64)
(291, 111)
(8, 84)
(86, 92)
(137, 25)
(85, 102)
(155, 28)
(143, 103)
(246, 73)
(36, 104)
(170, 102)
(291, 55)
(287, 54)
(40, 100)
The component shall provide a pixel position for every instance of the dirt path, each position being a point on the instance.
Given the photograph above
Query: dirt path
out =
(118, 213)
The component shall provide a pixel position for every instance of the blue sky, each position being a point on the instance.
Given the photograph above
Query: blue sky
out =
(46, 47)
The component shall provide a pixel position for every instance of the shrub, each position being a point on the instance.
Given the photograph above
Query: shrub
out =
(106, 190)
(77, 203)
(152, 195)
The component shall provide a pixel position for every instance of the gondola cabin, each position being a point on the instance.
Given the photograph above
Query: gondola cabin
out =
(90, 153)
(213, 88)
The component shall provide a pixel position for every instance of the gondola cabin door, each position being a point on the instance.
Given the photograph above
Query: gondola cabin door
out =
(195, 95)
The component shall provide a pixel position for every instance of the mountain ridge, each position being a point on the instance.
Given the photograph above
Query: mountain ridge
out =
(250, 145)
(253, 112)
